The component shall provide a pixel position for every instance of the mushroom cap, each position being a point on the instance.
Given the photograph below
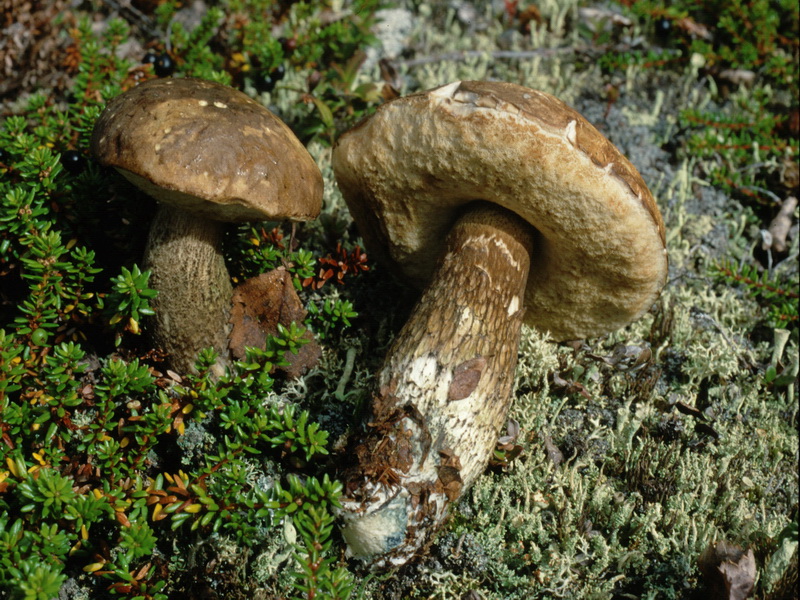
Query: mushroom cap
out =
(407, 172)
(210, 149)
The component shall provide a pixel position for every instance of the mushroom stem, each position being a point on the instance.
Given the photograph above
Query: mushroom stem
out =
(443, 392)
(193, 305)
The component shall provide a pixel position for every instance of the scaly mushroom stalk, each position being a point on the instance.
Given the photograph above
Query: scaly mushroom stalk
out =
(192, 309)
(444, 390)
(207, 153)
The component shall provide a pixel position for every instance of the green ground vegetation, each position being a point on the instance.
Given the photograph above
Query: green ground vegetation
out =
(626, 456)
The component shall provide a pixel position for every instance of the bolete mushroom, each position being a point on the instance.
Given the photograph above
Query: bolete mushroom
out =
(209, 154)
(512, 209)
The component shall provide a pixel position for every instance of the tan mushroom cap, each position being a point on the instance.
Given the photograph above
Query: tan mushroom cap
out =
(599, 260)
(210, 149)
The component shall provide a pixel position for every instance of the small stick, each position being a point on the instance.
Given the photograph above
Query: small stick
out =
(348, 370)
(782, 223)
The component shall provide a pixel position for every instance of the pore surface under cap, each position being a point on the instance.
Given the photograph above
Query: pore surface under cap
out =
(210, 149)
(407, 172)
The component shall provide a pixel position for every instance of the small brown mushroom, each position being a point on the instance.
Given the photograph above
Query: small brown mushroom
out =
(511, 208)
(209, 154)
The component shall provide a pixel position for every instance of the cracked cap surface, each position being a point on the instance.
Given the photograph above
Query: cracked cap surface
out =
(407, 172)
(210, 149)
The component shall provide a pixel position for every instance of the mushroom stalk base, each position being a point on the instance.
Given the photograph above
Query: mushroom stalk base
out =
(193, 305)
(443, 392)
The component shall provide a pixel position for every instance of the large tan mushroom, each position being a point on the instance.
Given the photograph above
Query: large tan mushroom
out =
(209, 154)
(511, 208)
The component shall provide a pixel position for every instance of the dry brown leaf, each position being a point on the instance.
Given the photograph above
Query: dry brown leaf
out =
(729, 571)
(694, 29)
(260, 304)
(553, 452)
(465, 378)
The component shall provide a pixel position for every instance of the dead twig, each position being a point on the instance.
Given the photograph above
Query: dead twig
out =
(781, 225)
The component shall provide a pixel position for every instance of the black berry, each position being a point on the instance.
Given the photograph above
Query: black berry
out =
(288, 44)
(264, 82)
(278, 72)
(73, 161)
(149, 58)
(663, 27)
(164, 66)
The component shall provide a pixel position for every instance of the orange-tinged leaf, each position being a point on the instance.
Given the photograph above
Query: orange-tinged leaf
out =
(140, 574)
(158, 512)
(122, 519)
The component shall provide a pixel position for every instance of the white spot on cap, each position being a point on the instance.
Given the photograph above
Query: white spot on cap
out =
(219, 104)
(157, 147)
(571, 133)
(167, 129)
(203, 102)
(446, 91)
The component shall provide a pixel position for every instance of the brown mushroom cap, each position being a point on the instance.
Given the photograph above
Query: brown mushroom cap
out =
(599, 260)
(210, 149)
